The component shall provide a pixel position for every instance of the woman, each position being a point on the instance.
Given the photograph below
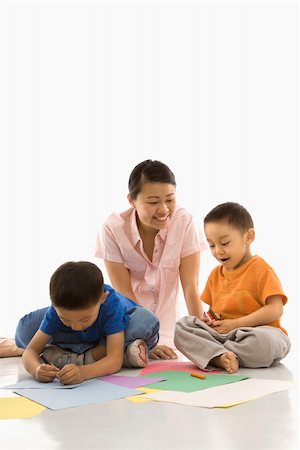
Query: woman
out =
(149, 247)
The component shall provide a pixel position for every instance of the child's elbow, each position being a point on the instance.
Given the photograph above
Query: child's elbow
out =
(278, 309)
(24, 355)
(116, 365)
(276, 305)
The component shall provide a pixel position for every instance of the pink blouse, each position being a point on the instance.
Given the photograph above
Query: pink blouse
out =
(155, 283)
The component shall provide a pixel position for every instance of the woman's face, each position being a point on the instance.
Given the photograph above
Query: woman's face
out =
(155, 205)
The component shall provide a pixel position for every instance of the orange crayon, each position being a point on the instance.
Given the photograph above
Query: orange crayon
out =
(198, 375)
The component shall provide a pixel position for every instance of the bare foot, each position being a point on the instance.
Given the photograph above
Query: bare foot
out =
(8, 348)
(227, 361)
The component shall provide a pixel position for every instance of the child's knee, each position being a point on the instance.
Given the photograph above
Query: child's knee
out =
(28, 326)
(143, 324)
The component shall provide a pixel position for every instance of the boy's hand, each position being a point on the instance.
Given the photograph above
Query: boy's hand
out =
(46, 373)
(205, 318)
(224, 326)
(70, 374)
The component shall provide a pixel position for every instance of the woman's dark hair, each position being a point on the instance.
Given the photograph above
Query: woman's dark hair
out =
(149, 171)
(76, 285)
(231, 213)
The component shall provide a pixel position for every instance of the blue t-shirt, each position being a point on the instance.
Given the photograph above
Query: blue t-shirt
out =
(113, 317)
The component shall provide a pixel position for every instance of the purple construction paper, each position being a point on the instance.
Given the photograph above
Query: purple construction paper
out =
(130, 382)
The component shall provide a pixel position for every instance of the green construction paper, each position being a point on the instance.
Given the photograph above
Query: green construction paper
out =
(184, 382)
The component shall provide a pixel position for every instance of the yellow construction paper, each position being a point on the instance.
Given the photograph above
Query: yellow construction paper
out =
(18, 408)
(139, 398)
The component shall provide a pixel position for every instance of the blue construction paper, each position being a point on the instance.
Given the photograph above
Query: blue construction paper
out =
(94, 391)
(34, 384)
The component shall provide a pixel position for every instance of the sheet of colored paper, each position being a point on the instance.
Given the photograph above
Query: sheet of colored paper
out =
(33, 384)
(140, 398)
(184, 382)
(93, 392)
(130, 382)
(19, 408)
(173, 365)
(223, 396)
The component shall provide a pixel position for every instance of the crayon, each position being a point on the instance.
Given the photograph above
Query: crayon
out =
(45, 360)
(213, 315)
(198, 375)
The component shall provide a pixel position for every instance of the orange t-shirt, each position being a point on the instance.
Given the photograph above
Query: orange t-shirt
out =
(237, 293)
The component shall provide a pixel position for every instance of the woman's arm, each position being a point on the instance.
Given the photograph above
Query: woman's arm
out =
(120, 279)
(189, 276)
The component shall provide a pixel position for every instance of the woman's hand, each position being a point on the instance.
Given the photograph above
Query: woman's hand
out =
(162, 352)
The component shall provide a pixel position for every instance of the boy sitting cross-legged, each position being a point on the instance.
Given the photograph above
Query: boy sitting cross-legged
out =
(245, 298)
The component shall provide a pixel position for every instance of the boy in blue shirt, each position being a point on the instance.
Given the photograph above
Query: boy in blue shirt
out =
(92, 320)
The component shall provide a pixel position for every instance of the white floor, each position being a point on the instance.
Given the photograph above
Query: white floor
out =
(267, 423)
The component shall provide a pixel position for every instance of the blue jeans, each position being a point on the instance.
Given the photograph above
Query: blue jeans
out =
(143, 324)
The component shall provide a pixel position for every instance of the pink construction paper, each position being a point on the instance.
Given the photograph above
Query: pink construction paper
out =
(180, 366)
(130, 382)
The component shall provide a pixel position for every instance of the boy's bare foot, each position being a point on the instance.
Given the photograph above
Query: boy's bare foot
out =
(8, 348)
(227, 361)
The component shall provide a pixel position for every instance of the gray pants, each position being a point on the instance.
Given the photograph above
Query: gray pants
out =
(255, 347)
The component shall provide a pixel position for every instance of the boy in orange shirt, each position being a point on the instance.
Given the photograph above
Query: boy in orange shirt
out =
(245, 298)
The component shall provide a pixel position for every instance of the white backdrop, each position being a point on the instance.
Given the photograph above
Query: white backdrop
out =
(90, 88)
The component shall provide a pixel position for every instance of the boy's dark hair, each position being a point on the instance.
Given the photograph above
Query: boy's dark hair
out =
(232, 213)
(76, 285)
(149, 171)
